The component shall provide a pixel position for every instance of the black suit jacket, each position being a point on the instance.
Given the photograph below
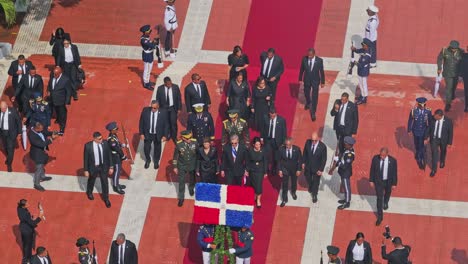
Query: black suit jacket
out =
(447, 131)
(61, 56)
(192, 97)
(280, 130)
(392, 173)
(316, 76)
(35, 260)
(176, 97)
(351, 117)
(314, 162)
(286, 164)
(61, 93)
(130, 256)
(89, 157)
(14, 123)
(162, 126)
(207, 163)
(38, 146)
(236, 168)
(367, 253)
(277, 67)
(27, 224)
(14, 68)
(25, 91)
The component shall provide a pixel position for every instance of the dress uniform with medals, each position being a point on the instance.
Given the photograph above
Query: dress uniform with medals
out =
(185, 161)
(418, 123)
(363, 69)
(148, 47)
(201, 124)
(236, 125)
(243, 249)
(117, 155)
(40, 111)
(205, 238)
(371, 32)
(332, 253)
(345, 170)
(84, 254)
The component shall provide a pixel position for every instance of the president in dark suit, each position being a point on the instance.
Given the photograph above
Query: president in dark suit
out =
(440, 133)
(29, 85)
(10, 128)
(41, 257)
(314, 159)
(272, 68)
(289, 167)
(359, 251)
(153, 130)
(273, 136)
(312, 75)
(27, 227)
(69, 60)
(346, 119)
(59, 90)
(384, 177)
(19, 68)
(169, 98)
(233, 161)
(123, 251)
(98, 163)
(196, 92)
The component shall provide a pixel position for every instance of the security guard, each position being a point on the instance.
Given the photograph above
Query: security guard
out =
(332, 253)
(371, 32)
(201, 124)
(205, 238)
(418, 122)
(170, 22)
(84, 254)
(449, 60)
(117, 155)
(243, 249)
(148, 47)
(363, 69)
(40, 111)
(184, 161)
(236, 125)
(345, 170)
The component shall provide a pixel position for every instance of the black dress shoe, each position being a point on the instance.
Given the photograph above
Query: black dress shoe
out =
(46, 179)
(259, 206)
(306, 107)
(122, 186)
(147, 164)
(385, 206)
(442, 165)
(191, 192)
(156, 166)
(75, 98)
(447, 107)
(314, 117)
(378, 222)
(342, 201)
(108, 204)
(9, 168)
(294, 196)
(314, 199)
(343, 206)
(118, 190)
(432, 173)
(39, 188)
(90, 196)
(283, 203)
(180, 203)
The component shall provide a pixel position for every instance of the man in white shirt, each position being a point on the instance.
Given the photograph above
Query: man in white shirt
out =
(371, 32)
(440, 133)
(10, 128)
(123, 251)
(170, 22)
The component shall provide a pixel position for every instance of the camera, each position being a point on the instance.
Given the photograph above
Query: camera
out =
(387, 234)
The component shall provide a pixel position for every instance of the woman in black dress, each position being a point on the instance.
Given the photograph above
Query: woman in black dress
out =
(207, 162)
(238, 63)
(27, 228)
(261, 96)
(257, 167)
(239, 96)
(56, 41)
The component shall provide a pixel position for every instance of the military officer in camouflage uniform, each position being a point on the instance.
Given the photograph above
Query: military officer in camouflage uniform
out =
(117, 155)
(345, 170)
(418, 122)
(237, 126)
(205, 238)
(40, 111)
(84, 254)
(184, 161)
(201, 124)
(243, 249)
(450, 59)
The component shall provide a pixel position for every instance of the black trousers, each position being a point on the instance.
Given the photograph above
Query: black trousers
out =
(465, 84)
(232, 179)
(315, 93)
(288, 174)
(313, 181)
(383, 193)
(208, 177)
(172, 119)
(8, 145)
(436, 147)
(27, 241)
(104, 182)
(340, 135)
(157, 148)
(61, 115)
(273, 85)
(271, 149)
(71, 71)
(168, 41)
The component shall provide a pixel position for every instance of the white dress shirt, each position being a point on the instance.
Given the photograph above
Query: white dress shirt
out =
(289, 153)
(197, 88)
(31, 81)
(384, 163)
(68, 54)
(358, 252)
(153, 121)
(314, 147)
(23, 69)
(273, 129)
(55, 80)
(122, 248)
(96, 148)
(171, 99)
(266, 71)
(438, 125)
(371, 28)
(311, 62)
(343, 114)
(4, 115)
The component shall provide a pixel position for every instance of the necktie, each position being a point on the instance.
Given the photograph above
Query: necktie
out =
(270, 131)
(436, 130)
(313, 148)
(341, 110)
(234, 154)
(198, 90)
(24, 71)
(153, 119)
(121, 255)
(289, 154)
(310, 64)
(167, 96)
(267, 73)
(100, 154)
(30, 82)
(3, 119)
(55, 83)
(381, 168)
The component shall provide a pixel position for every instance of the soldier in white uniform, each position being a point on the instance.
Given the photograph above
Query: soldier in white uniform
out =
(170, 22)
(371, 32)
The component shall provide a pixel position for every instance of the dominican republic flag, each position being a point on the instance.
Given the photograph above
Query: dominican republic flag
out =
(220, 204)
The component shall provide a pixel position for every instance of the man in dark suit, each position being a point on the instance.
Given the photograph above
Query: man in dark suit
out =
(123, 251)
(311, 75)
(10, 128)
(346, 119)
(27, 227)
(58, 91)
(41, 257)
(272, 69)
(464, 75)
(273, 136)
(289, 167)
(40, 140)
(169, 98)
(29, 85)
(70, 61)
(233, 161)
(153, 130)
(196, 92)
(440, 134)
(399, 255)
(384, 177)
(18, 69)
(98, 163)
(313, 163)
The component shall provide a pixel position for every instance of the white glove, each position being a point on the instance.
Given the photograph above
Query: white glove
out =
(123, 145)
(232, 250)
(336, 158)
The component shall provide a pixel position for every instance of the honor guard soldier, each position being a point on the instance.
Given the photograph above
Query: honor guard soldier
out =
(345, 170)
(185, 161)
(363, 69)
(201, 124)
(243, 249)
(84, 254)
(371, 32)
(205, 238)
(40, 111)
(148, 46)
(332, 253)
(237, 126)
(117, 155)
(170, 22)
(418, 123)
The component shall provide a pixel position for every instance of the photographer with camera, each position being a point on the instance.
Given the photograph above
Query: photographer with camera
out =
(401, 252)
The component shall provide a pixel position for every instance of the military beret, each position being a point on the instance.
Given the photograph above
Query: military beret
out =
(421, 100)
(82, 241)
(186, 134)
(111, 126)
(366, 42)
(332, 250)
(349, 140)
(454, 44)
(233, 112)
(373, 8)
(145, 28)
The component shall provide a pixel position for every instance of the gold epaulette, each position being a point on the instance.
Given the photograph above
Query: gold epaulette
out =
(242, 120)
(193, 139)
(45, 102)
(428, 108)
(174, 162)
(179, 141)
(225, 123)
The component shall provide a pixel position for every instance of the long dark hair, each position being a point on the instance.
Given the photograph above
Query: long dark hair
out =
(236, 49)
(22, 203)
(59, 33)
